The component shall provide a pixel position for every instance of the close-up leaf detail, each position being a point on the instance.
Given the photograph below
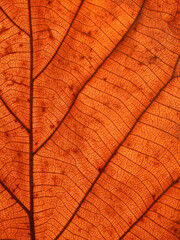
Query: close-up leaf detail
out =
(89, 119)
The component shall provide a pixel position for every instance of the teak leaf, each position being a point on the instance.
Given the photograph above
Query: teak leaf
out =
(89, 119)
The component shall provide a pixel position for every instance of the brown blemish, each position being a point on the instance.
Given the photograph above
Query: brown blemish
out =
(17, 99)
(175, 230)
(7, 134)
(76, 69)
(20, 45)
(43, 109)
(130, 222)
(82, 57)
(140, 63)
(8, 50)
(128, 144)
(63, 172)
(50, 33)
(155, 210)
(154, 196)
(3, 29)
(50, 2)
(110, 212)
(54, 178)
(75, 150)
(19, 154)
(71, 87)
(99, 169)
(89, 33)
(156, 163)
(156, 155)
(152, 59)
(52, 126)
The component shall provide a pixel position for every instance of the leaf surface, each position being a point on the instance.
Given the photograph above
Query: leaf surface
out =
(89, 119)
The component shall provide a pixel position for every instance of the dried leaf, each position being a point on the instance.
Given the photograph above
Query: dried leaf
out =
(89, 119)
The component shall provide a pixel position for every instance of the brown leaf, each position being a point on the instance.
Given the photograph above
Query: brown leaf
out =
(89, 119)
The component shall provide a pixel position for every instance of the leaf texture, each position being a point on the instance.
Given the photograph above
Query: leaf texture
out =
(89, 119)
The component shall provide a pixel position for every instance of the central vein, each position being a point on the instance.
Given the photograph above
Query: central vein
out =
(31, 214)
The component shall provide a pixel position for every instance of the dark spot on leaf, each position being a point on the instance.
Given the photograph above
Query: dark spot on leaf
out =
(99, 169)
(19, 154)
(50, 2)
(7, 134)
(71, 86)
(156, 163)
(20, 45)
(8, 50)
(54, 178)
(155, 210)
(156, 155)
(154, 196)
(140, 63)
(175, 230)
(43, 109)
(75, 150)
(3, 29)
(36, 195)
(52, 126)
(152, 59)
(128, 144)
(17, 99)
(89, 33)
(82, 57)
(130, 222)
(50, 33)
